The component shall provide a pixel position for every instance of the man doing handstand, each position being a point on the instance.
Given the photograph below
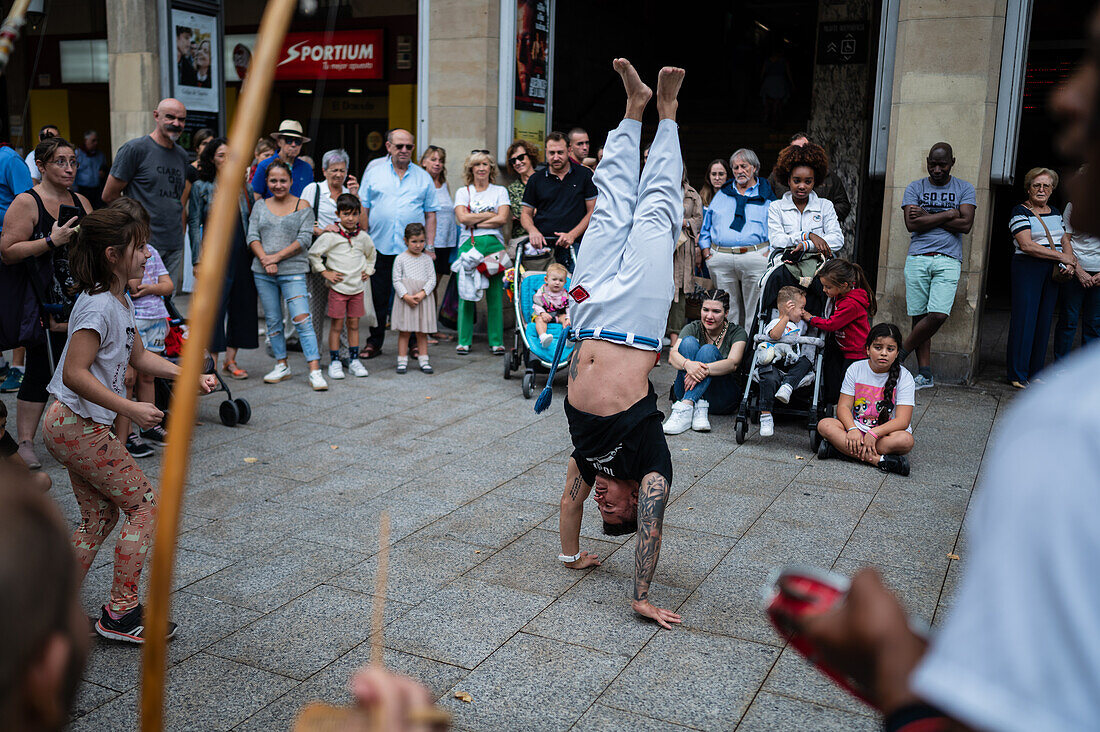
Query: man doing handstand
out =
(621, 292)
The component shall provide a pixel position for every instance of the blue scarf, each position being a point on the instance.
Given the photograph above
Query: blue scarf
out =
(763, 194)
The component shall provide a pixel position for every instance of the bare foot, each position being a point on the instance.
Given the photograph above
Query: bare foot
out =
(668, 87)
(637, 93)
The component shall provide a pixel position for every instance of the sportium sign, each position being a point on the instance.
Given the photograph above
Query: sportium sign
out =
(341, 55)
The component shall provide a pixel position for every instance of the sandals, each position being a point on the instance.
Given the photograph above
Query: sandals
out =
(498, 350)
(234, 371)
(440, 337)
(462, 350)
(370, 351)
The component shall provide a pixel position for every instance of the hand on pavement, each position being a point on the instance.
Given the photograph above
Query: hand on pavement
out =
(648, 610)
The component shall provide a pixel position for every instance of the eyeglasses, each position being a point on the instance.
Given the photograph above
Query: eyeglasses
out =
(517, 158)
(402, 146)
(1042, 186)
(484, 152)
(297, 142)
(64, 163)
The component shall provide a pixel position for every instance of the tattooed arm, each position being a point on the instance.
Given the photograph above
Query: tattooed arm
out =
(652, 496)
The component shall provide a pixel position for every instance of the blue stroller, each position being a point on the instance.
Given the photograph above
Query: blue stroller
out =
(527, 351)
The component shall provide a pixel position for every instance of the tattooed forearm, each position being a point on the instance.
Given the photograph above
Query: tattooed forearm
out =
(652, 496)
(575, 488)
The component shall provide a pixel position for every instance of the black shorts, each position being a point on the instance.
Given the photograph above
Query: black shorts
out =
(628, 445)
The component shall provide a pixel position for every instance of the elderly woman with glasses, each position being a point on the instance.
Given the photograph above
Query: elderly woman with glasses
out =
(1037, 228)
(482, 209)
(734, 236)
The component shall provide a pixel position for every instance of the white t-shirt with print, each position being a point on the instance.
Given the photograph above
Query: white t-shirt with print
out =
(866, 389)
(489, 200)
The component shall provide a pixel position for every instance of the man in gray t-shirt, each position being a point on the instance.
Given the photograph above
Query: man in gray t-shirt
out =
(151, 170)
(938, 210)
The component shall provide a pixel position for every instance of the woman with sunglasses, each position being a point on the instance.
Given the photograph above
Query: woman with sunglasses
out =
(522, 159)
(434, 160)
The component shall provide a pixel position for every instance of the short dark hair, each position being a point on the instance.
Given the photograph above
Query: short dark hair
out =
(117, 225)
(347, 202)
(576, 131)
(42, 132)
(183, 30)
(798, 136)
(625, 527)
(414, 229)
(556, 136)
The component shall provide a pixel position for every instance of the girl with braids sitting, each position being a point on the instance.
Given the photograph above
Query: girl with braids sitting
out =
(875, 411)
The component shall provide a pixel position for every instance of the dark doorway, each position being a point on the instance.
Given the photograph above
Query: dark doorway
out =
(725, 46)
(1056, 45)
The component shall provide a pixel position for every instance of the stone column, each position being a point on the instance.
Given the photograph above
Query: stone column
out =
(134, 57)
(462, 79)
(838, 117)
(946, 72)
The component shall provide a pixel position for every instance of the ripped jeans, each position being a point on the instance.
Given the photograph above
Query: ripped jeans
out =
(273, 290)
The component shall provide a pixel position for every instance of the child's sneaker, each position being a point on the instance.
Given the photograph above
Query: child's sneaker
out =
(138, 447)
(156, 435)
(767, 425)
(783, 393)
(335, 370)
(12, 381)
(546, 340)
(826, 451)
(920, 381)
(898, 464)
(277, 374)
(317, 381)
(129, 628)
(357, 368)
(680, 419)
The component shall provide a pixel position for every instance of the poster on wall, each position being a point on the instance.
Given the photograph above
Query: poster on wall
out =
(532, 70)
(196, 78)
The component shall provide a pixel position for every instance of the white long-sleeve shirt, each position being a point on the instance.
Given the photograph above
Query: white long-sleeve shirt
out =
(419, 267)
(786, 224)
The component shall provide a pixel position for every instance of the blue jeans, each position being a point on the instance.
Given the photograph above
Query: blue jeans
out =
(1079, 305)
(1034, 296)
(720, 392)
(273, 290)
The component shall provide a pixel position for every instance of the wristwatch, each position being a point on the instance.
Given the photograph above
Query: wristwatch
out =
(49, 242)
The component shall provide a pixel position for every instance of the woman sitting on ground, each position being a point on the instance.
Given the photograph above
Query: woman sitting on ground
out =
(706, 358)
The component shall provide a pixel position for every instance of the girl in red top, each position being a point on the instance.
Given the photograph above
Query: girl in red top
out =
(853, 305)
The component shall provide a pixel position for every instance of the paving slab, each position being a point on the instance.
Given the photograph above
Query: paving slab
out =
(771, 712)
(531, 563)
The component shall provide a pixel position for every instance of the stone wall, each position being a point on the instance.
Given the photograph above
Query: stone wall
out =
(838, 117)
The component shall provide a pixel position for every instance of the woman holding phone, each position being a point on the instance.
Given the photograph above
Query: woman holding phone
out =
(37, 228)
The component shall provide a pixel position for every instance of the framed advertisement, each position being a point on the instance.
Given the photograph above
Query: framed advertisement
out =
(191, 62)
(526, 78)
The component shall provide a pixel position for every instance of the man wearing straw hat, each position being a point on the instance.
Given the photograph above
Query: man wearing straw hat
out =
(291, 140)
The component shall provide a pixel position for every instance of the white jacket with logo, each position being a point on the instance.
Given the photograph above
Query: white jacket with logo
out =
(786, 224)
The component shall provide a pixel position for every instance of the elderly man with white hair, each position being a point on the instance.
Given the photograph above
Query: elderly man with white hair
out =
(734, 237)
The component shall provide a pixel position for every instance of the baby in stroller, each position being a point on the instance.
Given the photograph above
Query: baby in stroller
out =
(781, 367)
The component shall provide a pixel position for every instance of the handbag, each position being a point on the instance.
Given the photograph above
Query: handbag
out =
(448, 305)
(1061, 273)
(20, 314)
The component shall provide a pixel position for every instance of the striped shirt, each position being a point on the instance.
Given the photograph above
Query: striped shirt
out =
(1024, 219)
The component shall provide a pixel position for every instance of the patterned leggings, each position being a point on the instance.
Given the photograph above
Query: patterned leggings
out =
(105, 480)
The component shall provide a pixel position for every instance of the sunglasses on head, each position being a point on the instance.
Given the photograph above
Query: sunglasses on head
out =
(402, 145)
(484, 152)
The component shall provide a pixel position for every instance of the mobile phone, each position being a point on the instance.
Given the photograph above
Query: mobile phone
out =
(66, 212)
(803, 591)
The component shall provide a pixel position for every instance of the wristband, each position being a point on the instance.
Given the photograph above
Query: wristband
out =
(872, 434)
(852, 428)
(565, 559)
(49, 242)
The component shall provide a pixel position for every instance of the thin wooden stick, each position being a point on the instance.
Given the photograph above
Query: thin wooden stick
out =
(380, 579)
(217, 238)
(9, 31)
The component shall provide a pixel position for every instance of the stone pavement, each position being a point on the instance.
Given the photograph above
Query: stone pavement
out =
(276, 561)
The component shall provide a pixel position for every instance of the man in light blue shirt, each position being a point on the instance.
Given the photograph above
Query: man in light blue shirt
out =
(15, 178)
(734, 235)
(394, 194)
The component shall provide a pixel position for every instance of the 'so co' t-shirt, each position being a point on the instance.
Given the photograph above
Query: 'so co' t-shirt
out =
(936, 199)
(155, 177)
(113, 322)
(867, 390)
(485, 201)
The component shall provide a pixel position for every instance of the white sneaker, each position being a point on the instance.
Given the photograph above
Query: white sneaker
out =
(277, 374)
(700, 420)
(546, 340)
(317, 381)
(783, 393)
(680, 419)
(767, 425)
(336, 370)
(357, 368)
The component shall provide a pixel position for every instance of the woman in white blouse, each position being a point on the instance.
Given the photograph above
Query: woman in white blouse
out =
(802, 219)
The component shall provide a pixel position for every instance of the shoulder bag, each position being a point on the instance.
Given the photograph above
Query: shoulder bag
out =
(1061, 273)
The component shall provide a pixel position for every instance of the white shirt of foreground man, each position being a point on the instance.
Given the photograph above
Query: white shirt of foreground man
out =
(1020, 649)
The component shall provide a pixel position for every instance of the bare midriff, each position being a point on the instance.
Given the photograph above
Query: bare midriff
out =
(607, 378)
